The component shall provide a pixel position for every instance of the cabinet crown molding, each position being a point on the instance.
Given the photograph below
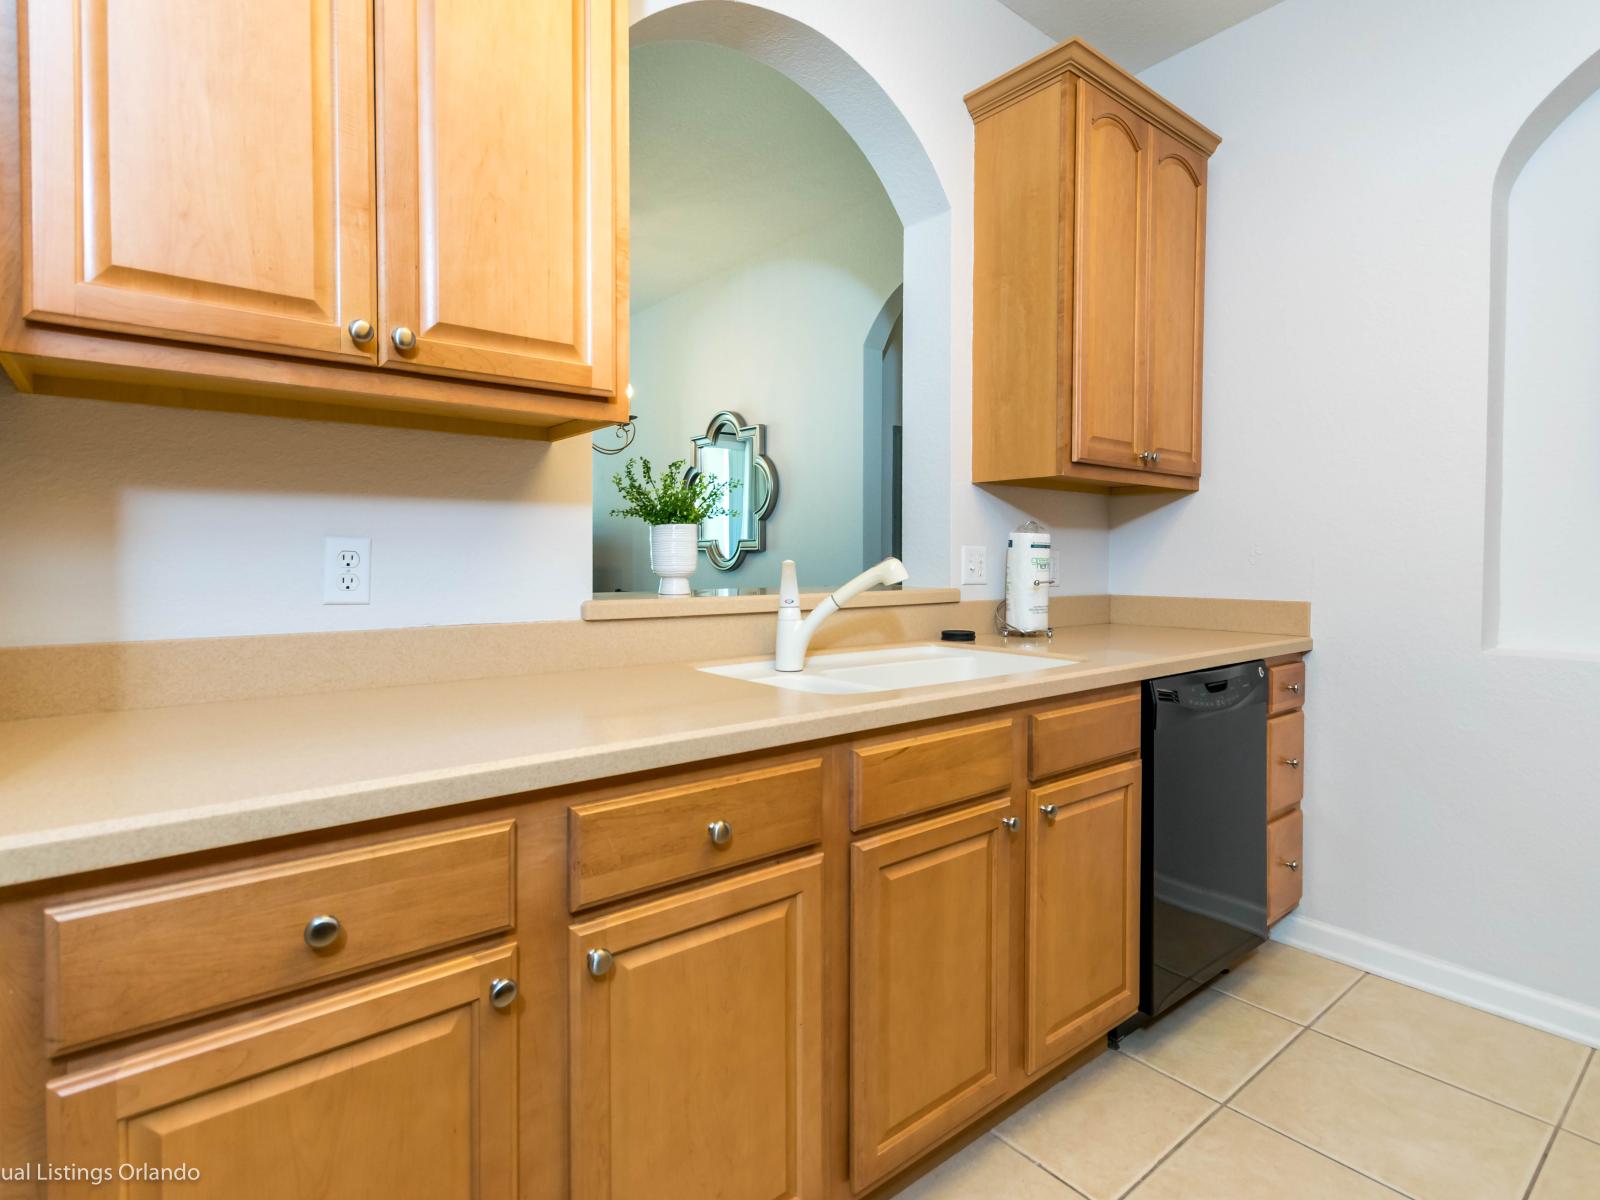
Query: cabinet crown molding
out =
(1077, 57)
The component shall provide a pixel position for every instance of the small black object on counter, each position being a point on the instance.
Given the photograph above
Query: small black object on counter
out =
(958, 635)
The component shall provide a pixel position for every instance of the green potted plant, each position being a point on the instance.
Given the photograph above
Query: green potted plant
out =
(673, 505)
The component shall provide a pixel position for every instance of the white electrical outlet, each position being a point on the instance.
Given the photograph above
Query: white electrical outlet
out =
(347, 570)
(974, 564)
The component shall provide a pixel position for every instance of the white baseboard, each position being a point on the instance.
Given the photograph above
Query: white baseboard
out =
(1542, 1010)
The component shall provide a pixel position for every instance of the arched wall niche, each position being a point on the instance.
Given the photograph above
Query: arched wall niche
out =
(1542, 518)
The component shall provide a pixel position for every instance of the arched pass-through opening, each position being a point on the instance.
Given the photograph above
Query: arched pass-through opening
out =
(1501, 572)
(882, 444)
(867, 113)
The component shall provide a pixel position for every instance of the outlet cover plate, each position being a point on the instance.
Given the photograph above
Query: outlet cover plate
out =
(347, 570)
(974, 564)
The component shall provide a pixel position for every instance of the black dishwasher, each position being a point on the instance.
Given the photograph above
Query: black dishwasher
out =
(1204, 902)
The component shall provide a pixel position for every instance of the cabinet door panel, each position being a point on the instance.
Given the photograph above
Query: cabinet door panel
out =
(930, 993)
(697, 1058)
(1177, 295)
(404, 1089)
(1083, 911)
(202, 171)
(502, 195)
(1108, 377)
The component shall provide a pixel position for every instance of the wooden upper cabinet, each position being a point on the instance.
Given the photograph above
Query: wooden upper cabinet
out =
(1108, 378)
(500, 202)
(406, 1088)
(1177, 295)
(1088, 279)
(202, 171)
(256, 197)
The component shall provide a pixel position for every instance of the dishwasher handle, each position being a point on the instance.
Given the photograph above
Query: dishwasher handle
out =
(1211, 691)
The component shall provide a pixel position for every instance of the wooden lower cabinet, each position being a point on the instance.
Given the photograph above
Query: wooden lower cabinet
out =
(1082, 972)
(930, 989)
(405, 1089)
(696, 1051)
(1286, 742)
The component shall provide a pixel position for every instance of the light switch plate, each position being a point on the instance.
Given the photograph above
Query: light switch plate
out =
(347, 570)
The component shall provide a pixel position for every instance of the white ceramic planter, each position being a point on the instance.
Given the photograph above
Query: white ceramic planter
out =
(673, 550)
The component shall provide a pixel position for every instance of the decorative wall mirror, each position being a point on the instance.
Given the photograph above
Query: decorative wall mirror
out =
(736, 453)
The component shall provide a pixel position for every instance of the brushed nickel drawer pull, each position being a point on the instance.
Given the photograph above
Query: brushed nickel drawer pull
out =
(600, 963)
(1293, 763)
(721, 833)
(322, 931)
(502, 993)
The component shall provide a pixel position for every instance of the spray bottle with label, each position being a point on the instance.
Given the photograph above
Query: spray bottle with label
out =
(1026, 611)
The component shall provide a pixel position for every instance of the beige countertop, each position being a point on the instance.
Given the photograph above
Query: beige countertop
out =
(79, 793)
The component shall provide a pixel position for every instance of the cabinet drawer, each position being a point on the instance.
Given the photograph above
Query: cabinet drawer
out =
(1286, 748)
(122, 963)
(895, 777)
(1285, 868)
(1077, 735)
(648, 839)
(1286, 690)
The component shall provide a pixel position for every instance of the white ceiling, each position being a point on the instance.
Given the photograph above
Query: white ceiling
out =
(729, 158)
(1136, 33)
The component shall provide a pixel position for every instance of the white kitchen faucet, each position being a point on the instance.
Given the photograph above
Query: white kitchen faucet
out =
(794, 632)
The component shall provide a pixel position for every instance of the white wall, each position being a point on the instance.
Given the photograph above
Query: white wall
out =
(1549, 535)
(123, 522)
(114, 499)
(1451, 805)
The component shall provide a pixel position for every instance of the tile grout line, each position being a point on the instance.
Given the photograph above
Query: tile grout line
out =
(1454, 1087)
(1316, 1016)
(1176, 1146)
(1018, 1150)
(1415, 1070)
(1220, 1104)
(1272, 1058)
(1550, 1142)
(1030, 1159)
(1554, 1129)
(1389, 1187)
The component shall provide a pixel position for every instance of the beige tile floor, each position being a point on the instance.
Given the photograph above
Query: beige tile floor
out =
(1297, 1078)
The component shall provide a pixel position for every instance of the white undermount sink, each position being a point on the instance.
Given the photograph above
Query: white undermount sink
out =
(891, 669)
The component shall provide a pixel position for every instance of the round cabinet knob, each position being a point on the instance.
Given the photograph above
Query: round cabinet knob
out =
(721, 833)
(1293, 763)
(502, 993)
(403, 339)
(1012, 824)
(600, 963)
(361, 332)
(1155, 456)
(1049, 811)
(322, 931)
(1293, 687)
(1292, 863)
(1144, 456)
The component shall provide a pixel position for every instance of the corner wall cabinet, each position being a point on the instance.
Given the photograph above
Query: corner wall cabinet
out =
(1089, 279)
(391, 204)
